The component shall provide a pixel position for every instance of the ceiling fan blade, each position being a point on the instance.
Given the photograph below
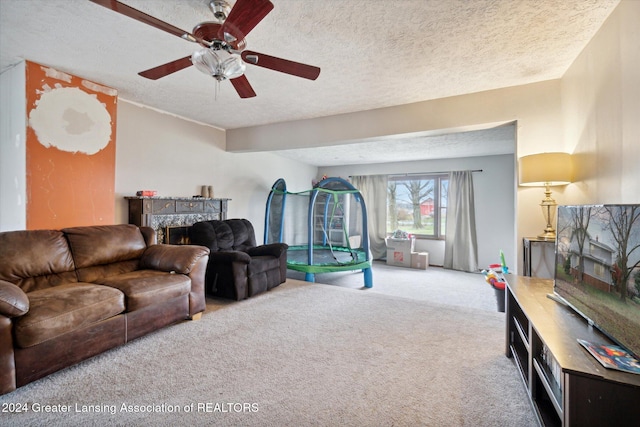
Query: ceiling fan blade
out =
(166, 69)
(244, 16)
(147, 19)
(242, 86)
(283, 65)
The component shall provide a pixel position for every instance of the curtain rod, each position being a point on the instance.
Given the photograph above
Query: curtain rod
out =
(419, 173)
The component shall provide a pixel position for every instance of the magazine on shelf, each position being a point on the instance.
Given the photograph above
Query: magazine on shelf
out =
(612, 356)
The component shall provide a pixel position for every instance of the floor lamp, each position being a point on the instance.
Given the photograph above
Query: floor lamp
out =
(546, 170)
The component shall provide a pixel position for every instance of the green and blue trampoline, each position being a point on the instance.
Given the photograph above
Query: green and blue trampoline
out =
(325, 228)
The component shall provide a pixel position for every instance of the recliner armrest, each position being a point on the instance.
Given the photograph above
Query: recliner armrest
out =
(13, 301)
(226, 257)
(271, 249)
(178, 258)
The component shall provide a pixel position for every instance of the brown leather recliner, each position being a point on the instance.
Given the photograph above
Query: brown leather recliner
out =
(237, 267)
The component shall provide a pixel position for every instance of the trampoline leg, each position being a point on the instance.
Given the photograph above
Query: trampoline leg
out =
(368, 278)
(310, 277)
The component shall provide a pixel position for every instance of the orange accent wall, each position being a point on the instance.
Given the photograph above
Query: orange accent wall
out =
(69, 186)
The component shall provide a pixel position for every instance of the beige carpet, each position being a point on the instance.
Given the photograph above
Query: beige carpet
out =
(300, 355)
(433, 284)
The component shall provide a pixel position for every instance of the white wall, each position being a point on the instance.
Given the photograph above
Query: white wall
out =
(13, 157)
(157, 151)
(601, 111)
(494, 201)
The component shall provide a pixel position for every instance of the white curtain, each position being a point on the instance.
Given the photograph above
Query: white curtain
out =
(374, 192)
(460, 246)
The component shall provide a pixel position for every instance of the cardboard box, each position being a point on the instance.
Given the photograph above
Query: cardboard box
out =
(420, 260)
(399, 251)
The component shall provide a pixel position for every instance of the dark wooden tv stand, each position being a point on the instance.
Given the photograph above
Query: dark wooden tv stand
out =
(566, 385)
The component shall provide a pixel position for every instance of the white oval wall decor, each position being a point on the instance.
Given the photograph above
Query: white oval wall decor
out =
(71, 120)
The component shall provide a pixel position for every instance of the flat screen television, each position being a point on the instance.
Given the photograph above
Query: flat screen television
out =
(597, 270)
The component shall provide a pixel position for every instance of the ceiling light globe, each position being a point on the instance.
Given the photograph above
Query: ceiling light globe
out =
(207, 62)
(233, 67)
(211, 63)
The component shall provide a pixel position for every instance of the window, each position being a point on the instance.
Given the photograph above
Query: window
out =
(417, 204)
(599, 270)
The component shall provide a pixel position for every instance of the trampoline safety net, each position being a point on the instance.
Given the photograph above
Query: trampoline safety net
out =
(325, 227)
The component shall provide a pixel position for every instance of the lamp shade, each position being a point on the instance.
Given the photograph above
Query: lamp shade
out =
(545, 169)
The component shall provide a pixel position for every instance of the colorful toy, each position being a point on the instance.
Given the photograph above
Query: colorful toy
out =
(493, 278)
(503, 264)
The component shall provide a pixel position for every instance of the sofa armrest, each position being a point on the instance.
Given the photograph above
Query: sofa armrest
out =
(227, 257)
(13, 301)
(178, 258)
(191, 260)
(271, 249)
(150, 235)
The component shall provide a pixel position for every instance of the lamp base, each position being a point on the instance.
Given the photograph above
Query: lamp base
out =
(548, 206)
(548, 235)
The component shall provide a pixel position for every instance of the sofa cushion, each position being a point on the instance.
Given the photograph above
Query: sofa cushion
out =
(64, 308)
(35, 259)
(95, 247)
(147, 287)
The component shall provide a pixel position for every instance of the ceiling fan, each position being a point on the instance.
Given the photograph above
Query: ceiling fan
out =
(223, 55)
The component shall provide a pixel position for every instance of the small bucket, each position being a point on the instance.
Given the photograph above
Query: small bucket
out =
(500, 297)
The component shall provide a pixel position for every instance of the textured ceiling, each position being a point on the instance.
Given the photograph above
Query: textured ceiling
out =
(487, 142)
(372, 53)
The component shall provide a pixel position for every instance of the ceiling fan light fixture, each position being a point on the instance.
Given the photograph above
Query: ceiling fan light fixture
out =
(224, 55)
(209, 62)
(233, 66)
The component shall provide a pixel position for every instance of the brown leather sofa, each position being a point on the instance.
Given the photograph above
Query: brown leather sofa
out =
(67, 295)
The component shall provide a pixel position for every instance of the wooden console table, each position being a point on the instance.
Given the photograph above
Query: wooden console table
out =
(174, 214)
(566, 385)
